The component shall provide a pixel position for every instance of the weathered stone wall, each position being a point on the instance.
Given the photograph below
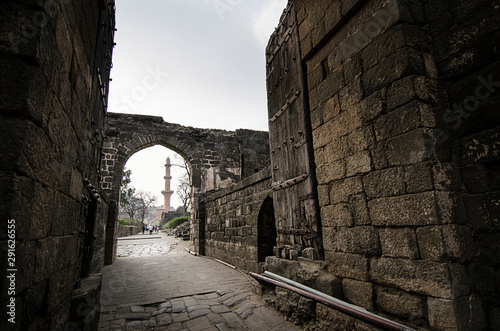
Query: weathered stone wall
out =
(217, 159)
(231, 221)
(55, 60)
(254, 147)
(124, 231)
(403, 98)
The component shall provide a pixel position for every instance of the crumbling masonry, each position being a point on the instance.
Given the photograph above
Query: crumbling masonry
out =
(381, 180)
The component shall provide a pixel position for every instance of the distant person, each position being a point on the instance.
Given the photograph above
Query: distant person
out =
(143, 228)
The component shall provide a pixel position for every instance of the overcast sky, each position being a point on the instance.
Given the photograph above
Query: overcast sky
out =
(197, 63)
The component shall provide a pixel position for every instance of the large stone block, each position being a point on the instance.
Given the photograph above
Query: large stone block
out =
(406, 210)
(350, 97)
(404, 62)
(85, 307)
(54, 254)
(329, 284)
(442, 280)
(330, 108)
(328, 235)
(379, 157)
(24, 88)
(450, 207)
(369, 24)
(331, 171)
(465, 313)
(358, 163)
(372, 107)
(352, 67)
(331, 319)
(360, 140)
(359, 210)
(417, 87)
(338, 215)
(315, 76)
(357, 240)
(67, 219)
(398, 243)
(410, 148)
(398, 121)
(322, 136)
(446, 176)
(326, 90)
(358, 293)
(347, 265)
(329, 150)
(418, 177)
(30, 158)
(391, 40)
(60, 287)
(446, 243)
(407, 306)
(384, 183)
(342, 190)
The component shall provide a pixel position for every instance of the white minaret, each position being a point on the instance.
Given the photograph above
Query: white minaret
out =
(167, 193)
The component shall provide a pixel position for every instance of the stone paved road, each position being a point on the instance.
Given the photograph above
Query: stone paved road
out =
(155, 284)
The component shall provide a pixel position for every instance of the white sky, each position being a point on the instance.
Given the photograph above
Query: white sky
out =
(197, 63)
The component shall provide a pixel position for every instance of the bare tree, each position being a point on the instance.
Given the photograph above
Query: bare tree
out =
(184, 187)
(146, 200)
(132, 207)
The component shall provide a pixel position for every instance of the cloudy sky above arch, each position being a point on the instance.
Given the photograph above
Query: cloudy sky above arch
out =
(197, 63)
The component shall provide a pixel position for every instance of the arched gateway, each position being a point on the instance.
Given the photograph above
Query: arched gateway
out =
(217, 158)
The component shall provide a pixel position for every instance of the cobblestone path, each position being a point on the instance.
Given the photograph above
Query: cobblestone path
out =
(155, 284)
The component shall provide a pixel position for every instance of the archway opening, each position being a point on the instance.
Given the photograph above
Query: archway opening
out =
(156, 188)
(266, 239)
(161, 175)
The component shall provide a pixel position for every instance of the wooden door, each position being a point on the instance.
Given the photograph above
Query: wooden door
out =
(294, 182)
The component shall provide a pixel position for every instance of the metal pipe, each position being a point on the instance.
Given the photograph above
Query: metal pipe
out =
(311, 290)
(225, 263)
(190, 252)
(337, 304)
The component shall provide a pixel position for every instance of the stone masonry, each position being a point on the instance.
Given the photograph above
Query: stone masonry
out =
(232, 221)
(55, 58)
(403, 99)
(217, 158)
(400, 98)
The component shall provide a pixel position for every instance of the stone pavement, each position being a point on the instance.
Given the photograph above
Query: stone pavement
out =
(155, 284)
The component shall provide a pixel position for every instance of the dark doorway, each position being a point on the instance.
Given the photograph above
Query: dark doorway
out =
(267, 229)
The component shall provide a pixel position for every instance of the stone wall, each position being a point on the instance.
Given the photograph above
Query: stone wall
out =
(217, 159)
(403, 98)
(125, 231)
(232, 220)
(55, 60)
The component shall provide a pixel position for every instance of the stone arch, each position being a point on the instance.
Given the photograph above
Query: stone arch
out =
(215, 158)
(266, 225)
